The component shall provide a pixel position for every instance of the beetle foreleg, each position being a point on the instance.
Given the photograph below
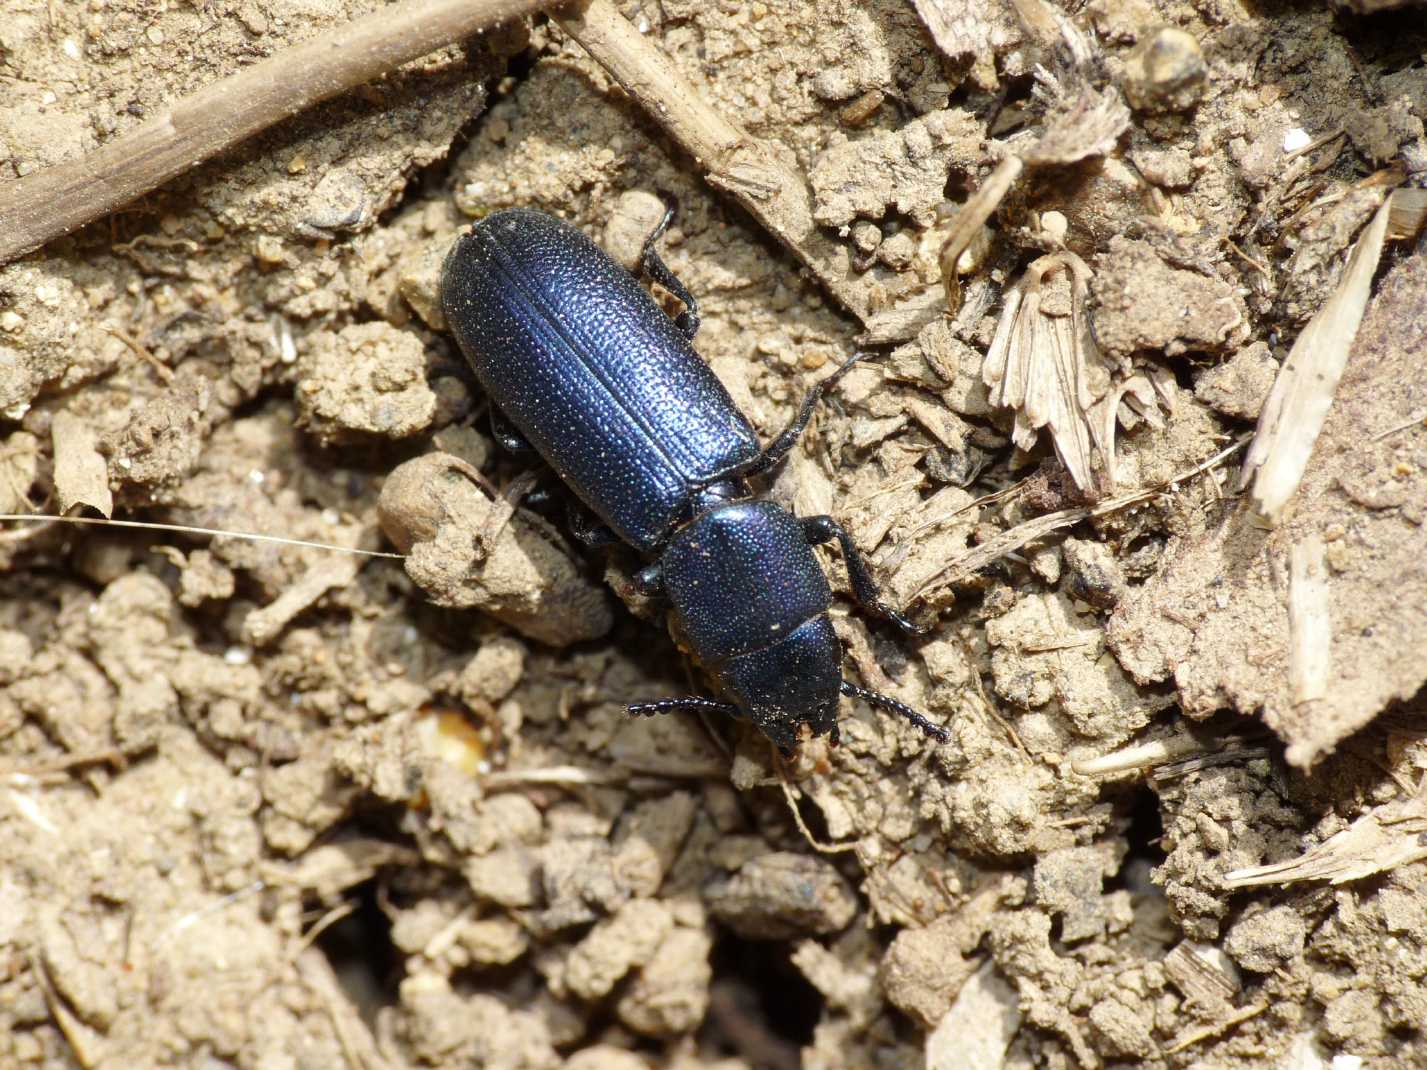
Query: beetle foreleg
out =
(821, 529)
(688, 320)
(901, 709)
(779, 447)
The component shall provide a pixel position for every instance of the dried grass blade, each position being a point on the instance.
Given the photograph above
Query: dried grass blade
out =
(1006, 542)
(1310, 624)
(1303, 392)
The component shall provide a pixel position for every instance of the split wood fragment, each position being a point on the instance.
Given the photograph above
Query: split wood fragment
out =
(1383, 839)
(81, 477)
(762, 176)
(43, 206)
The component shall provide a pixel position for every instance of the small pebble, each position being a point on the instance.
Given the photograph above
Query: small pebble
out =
(1166, 72)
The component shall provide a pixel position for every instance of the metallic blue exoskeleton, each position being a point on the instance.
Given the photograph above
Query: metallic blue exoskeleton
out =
(589, 370)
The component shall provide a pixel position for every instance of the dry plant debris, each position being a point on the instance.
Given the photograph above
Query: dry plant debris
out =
(1381, 840)
(80, 475)
(263, 802)
(1217, 619)
(1081, 122)
(45, 205)
(1045, 363)
(1302, 393)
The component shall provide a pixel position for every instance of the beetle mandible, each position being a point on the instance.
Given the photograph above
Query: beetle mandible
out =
(576, 354)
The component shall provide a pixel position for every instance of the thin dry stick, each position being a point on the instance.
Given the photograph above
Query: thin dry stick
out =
(342, 910)
(40, 207)
(813, 842)
(1139, 757)
(997, 547)
(978, 208)
(761, 176)
(359, 1047)
(109, 756)
(187, 529)
(1412, 421)
(89, 1049)
(555, 774)
(1215, 1028)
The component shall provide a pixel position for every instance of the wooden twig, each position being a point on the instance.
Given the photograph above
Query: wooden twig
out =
(761, 175)
(998, 546)
(49, 203)
(1214, 1029)
(978, 208)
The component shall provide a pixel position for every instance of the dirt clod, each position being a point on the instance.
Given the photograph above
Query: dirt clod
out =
(465, 550)
(780, 895)
(269, 806)
(368, 378)
(1194, 312)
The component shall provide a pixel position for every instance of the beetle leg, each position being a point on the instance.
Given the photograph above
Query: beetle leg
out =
(688, 320)
(901, 709)
(691, 703)
(505, 433)
(821, 529)
(779, 447)
(538, 498)
(649, 581)
(587, 531)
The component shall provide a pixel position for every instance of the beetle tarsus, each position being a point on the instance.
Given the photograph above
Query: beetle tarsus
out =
(505, 433)
(901, 709)
(588, 532)
(688, 320)
(538, 498)
(649, 581)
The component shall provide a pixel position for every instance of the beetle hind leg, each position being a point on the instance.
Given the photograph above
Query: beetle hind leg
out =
(688, 320)
(649, 581)
(901, 709)
(779, 447)
(505, 433)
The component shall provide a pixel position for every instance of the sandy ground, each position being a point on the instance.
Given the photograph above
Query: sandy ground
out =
(280, 808)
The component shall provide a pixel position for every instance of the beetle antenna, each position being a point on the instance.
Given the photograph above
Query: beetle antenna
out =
(672, 705)
(901, 709)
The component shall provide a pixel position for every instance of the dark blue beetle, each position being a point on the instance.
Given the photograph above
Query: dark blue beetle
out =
(590, 372)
